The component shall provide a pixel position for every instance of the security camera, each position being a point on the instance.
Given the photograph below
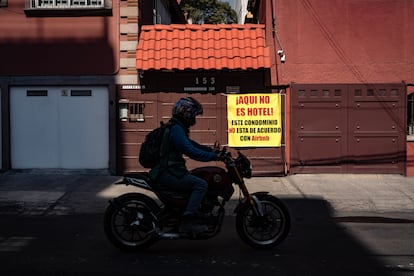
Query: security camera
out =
(282, 56)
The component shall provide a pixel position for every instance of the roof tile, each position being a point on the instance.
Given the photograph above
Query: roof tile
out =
(181, 47)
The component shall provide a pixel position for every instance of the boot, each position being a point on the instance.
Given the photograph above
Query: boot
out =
(191, 224)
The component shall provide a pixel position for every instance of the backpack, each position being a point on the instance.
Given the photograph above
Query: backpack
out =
(151, 151)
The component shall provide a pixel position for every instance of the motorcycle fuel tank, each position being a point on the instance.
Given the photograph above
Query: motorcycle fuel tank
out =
(217, 178)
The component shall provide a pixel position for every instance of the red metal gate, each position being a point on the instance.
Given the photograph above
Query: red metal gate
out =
(353, 128)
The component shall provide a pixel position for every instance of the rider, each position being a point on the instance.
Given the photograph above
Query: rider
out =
(172, 171)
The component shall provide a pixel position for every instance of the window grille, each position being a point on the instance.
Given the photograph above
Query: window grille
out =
(136, 112)
(64, 4)
(410, 114)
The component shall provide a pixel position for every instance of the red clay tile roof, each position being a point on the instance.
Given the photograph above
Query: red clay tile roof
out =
(181, 47)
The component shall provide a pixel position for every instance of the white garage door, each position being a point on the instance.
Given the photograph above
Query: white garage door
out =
(59, 127)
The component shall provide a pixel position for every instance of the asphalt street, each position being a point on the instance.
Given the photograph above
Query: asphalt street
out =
(76, 245)
(51, 224)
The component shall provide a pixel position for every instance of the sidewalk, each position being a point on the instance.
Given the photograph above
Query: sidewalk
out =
(54, 193)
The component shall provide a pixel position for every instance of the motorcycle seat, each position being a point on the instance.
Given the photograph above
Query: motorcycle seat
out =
(140, 175)
(166, 194)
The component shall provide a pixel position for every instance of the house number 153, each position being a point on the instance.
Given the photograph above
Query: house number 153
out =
(205, 80)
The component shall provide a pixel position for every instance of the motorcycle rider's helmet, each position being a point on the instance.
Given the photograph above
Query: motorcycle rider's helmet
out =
(186, 109)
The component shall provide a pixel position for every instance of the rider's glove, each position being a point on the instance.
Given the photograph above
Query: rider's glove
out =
(216, 147)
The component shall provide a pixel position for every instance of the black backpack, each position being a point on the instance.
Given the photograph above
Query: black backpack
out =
(151, 149)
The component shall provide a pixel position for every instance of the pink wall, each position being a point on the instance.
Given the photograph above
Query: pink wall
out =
(57, 45)
(346, 41)
(410, 159)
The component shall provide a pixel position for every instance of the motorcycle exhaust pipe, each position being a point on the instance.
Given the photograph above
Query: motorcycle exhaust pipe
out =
(169, 236)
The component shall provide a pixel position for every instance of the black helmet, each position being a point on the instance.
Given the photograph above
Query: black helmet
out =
(186, 110)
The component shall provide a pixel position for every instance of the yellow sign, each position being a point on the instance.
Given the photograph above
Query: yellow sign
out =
(254, 120)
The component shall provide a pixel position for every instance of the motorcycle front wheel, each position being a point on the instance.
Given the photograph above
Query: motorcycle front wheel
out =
(130, 221)
(267, 231)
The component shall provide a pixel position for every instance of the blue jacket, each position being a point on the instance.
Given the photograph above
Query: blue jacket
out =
(177, 143)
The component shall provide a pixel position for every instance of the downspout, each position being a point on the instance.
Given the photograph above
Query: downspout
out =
(154, 13)
(276, 39)
(278, 48)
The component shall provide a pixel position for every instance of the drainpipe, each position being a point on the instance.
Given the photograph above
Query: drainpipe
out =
(281, 51)
(154, 13)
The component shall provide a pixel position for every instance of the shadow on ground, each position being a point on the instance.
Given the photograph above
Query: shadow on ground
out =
(76, 245)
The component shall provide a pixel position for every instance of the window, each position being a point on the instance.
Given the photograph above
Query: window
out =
(410, 117)
(136, 112)
(81, 93)
(67, 7)
(64, 4)
(36, 93)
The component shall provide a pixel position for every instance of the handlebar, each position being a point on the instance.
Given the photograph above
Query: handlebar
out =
(225, 156)
(223, 151)
(241, 164)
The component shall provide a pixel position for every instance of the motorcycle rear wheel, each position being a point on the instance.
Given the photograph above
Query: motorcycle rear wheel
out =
(129, 222)
(263, 232)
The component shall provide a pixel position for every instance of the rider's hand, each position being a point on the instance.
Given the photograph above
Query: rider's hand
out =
(222, 154)
(216, 147)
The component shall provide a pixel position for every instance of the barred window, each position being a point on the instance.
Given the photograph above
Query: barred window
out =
(136, 112)
(57, 4)
(57, 8)
(410, 115)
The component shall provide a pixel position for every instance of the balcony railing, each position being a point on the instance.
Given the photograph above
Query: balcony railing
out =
(56, 8)
(66, 4)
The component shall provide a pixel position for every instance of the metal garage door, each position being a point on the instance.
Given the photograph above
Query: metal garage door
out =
(348, 128)
(59, 127)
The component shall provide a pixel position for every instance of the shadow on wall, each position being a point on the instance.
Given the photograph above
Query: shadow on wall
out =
(63, 57)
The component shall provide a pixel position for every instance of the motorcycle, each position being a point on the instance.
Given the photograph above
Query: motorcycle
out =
(135, 221)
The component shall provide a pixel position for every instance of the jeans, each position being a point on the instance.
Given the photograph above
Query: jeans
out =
(196, 185)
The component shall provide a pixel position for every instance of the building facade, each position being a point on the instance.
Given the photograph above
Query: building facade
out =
(349, 70)
(62, 65)
(79, 92)
(58, 65)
